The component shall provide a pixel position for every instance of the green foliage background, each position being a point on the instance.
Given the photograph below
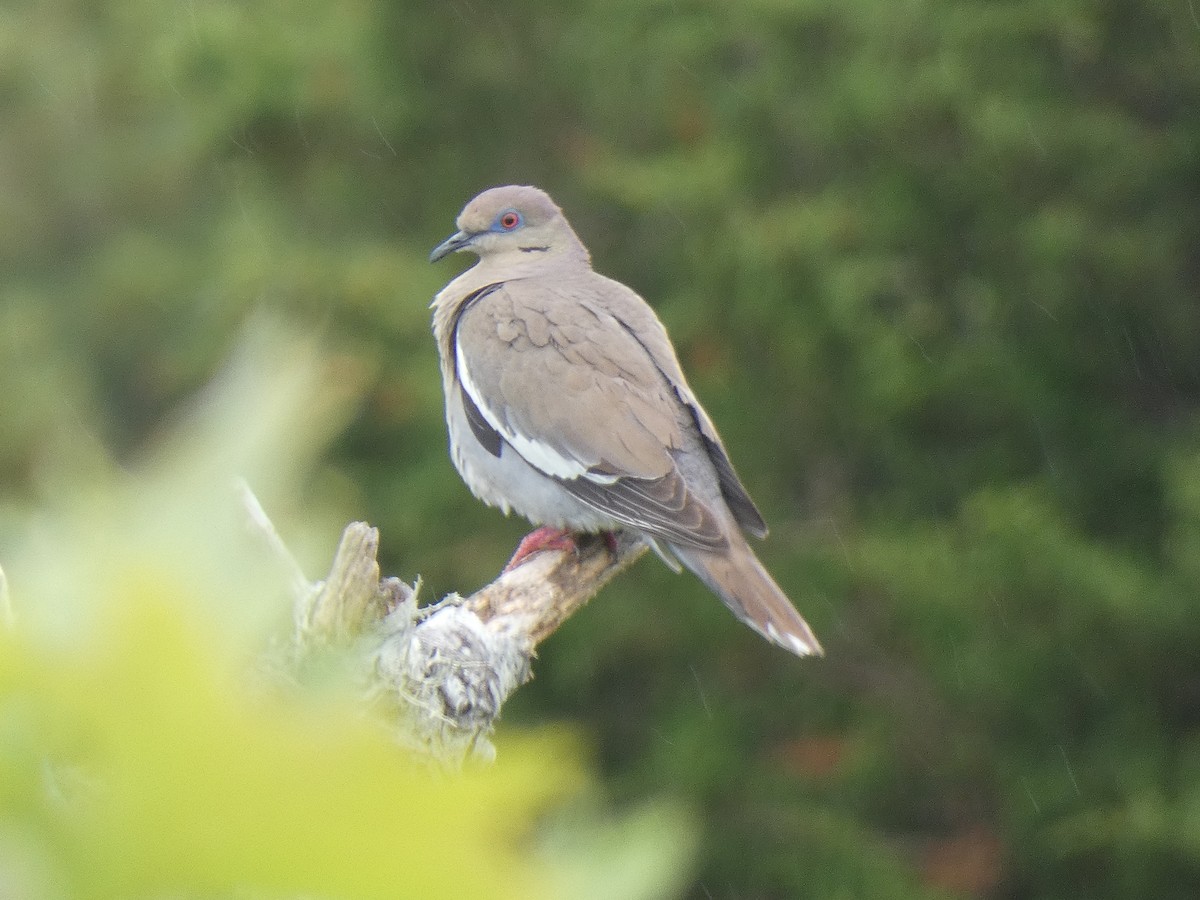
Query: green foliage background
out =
(931, 265)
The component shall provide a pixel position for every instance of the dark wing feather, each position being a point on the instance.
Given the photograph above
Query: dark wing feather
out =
(661, 507)
(745, 513)
(488, 436)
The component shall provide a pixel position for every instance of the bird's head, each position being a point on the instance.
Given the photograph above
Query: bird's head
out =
(518, 220)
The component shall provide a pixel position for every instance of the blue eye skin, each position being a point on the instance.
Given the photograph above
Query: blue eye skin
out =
(509, 220)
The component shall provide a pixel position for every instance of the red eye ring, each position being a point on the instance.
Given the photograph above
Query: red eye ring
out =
(510, 220)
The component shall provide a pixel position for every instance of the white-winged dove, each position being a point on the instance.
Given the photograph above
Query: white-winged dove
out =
(566, 403)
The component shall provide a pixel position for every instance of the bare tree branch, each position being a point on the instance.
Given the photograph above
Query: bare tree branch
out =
(444, 671)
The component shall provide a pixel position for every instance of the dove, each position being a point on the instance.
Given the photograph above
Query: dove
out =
(566, 403)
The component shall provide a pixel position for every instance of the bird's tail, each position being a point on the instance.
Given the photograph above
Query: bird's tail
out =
(736, 576)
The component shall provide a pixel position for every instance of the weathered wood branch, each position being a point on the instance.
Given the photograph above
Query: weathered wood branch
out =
(444, 670)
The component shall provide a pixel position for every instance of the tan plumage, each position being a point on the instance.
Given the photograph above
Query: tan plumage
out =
(565, 401)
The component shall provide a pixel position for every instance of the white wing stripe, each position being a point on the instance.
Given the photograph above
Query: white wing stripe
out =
(542, 457)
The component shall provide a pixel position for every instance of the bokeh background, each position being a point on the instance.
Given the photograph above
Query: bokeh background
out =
(932, 266)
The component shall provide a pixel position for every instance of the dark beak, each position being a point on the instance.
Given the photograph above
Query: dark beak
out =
(460, 240)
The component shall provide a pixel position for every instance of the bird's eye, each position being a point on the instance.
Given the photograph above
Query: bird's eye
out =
(510, 219)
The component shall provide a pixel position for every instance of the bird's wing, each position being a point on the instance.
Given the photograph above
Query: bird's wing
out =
(569, 387)
(642, 322)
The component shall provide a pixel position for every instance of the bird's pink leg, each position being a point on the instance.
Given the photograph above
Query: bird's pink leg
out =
(544, 538)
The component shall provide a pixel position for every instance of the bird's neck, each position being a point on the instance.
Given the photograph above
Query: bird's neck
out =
(519, 263)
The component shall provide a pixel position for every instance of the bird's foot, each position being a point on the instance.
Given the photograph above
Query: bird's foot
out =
(544, 538)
